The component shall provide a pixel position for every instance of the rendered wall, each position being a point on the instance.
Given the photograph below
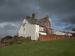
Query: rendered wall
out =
(29, 30)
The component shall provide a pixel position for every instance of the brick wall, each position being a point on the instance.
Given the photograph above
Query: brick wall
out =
(51, 37)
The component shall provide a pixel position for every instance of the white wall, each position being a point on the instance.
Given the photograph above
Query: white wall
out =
(41, 28)
(31, 30)
(42, 33)
(59, 33)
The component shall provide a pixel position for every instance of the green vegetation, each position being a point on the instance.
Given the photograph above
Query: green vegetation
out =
(41, 48)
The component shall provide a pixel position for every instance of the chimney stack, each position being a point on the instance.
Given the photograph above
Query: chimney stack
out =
(33, 15)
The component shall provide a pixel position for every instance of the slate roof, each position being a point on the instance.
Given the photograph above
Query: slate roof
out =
(33, 20)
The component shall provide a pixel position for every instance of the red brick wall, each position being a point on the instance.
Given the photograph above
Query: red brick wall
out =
(51, 37)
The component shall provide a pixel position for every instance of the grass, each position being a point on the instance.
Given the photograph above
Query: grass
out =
(45, 48)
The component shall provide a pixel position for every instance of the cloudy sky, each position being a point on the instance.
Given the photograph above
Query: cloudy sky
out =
(12, 12)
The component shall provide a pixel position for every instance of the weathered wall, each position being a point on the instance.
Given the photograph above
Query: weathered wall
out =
(29, 30)
(51, 37)
(59, 33)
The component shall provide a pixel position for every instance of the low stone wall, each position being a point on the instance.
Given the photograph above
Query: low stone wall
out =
(51, 37)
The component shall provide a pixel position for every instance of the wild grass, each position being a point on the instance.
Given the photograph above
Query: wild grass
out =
(41, 48)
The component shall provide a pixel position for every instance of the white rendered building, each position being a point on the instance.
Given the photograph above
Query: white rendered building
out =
(31, 28)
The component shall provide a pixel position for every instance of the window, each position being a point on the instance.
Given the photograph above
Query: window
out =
(24, 29)
(24, 24)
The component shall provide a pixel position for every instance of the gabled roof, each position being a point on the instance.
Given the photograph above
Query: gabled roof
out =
(43, 20)
(33, 20)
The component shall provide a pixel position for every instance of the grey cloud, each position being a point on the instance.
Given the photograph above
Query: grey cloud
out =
(69, 19)
(9, 28)
(14, 10)
(61, 8)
